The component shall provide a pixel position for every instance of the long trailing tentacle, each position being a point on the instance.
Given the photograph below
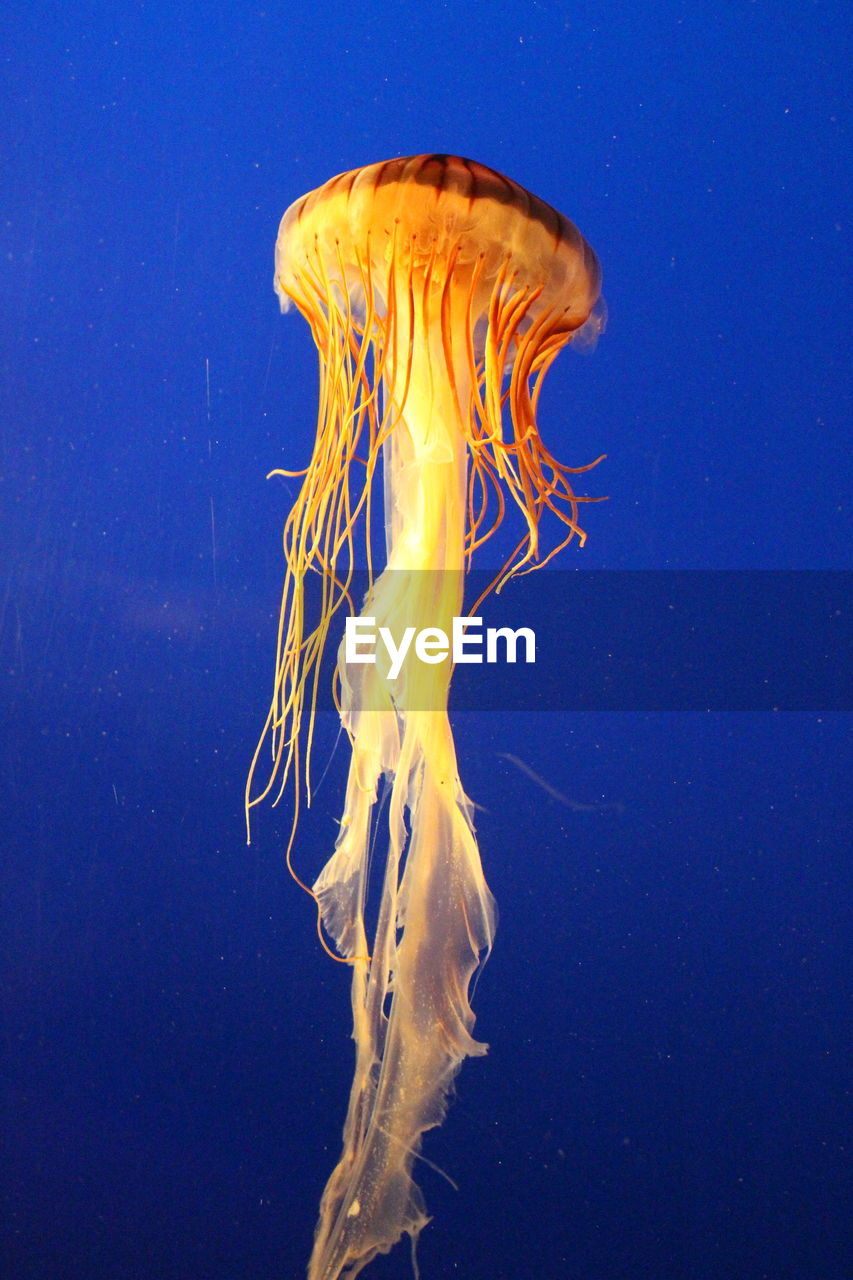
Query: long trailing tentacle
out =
(508, 463)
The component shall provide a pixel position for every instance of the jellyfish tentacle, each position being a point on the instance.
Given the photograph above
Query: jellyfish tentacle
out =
(412, 1019)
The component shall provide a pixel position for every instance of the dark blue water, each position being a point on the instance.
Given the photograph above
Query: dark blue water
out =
(665, 1091)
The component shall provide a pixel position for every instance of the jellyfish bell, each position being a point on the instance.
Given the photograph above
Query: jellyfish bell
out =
(436, 209)
(450, 280)
(438, 293)
(585, 339)
(447, 229)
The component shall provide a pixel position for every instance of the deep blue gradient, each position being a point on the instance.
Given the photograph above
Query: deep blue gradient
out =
(665, 1091)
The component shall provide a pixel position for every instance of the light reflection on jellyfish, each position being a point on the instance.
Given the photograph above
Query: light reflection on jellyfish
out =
(438, 294)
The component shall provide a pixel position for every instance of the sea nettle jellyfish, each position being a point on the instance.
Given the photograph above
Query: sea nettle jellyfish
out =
(438, 293)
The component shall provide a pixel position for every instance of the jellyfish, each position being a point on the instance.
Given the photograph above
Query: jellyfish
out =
(438, 293)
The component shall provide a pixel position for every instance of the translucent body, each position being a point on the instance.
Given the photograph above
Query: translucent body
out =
(438, 293)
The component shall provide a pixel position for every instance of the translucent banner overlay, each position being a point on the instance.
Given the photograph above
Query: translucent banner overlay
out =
(646, 641)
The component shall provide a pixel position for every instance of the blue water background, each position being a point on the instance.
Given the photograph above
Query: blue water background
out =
(665, 1090)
